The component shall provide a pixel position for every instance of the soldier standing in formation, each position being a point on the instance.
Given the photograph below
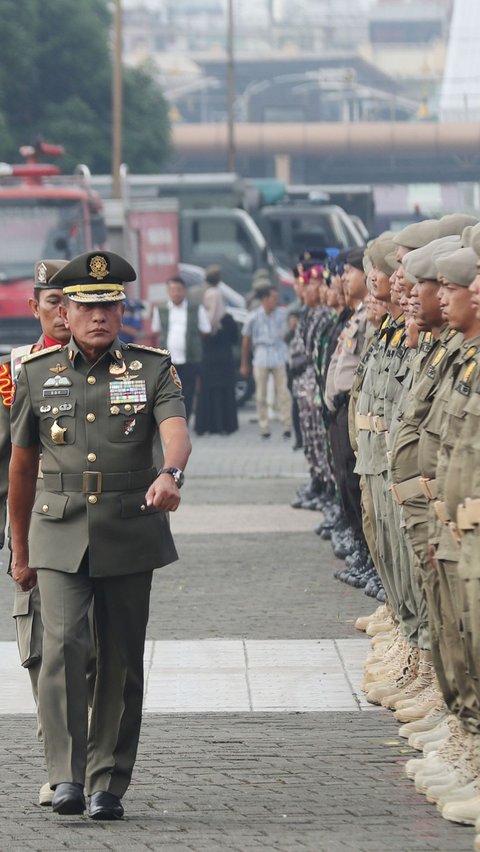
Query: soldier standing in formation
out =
(413, 417)
(97, 529)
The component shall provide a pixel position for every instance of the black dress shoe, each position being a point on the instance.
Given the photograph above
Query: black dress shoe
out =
(105, 806)
(68, 798)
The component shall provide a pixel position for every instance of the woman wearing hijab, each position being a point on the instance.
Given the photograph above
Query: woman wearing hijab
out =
(216, 411)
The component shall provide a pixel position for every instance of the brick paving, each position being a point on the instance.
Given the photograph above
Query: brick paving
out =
(215, 782)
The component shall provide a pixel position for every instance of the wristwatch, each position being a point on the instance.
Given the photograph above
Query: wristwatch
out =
(177, 474)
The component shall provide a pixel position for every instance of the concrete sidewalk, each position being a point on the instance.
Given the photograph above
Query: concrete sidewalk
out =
(253, 601)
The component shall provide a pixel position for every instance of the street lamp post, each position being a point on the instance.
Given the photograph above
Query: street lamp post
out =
(117, 100)
(231, 154)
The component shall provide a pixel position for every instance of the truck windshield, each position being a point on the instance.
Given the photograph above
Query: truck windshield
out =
(35, 228)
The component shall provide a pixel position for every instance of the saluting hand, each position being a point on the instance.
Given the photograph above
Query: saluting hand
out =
(25, 576)
(163, 493)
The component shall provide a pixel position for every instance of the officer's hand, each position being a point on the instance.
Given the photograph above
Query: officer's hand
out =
(432, 556)
(163, 494)
(23, 575)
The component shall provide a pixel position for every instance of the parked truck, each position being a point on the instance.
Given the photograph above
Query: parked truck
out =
(42, 214)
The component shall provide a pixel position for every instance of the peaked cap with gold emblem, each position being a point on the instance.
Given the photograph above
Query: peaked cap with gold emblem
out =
(95, 277)
(45, 270)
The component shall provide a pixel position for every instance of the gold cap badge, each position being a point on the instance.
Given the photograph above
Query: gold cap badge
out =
(98, 267)
(41, 273)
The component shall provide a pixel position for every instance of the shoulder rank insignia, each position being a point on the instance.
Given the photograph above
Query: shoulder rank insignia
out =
(41, 353)
(148, 348)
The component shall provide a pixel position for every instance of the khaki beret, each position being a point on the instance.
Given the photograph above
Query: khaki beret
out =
(458, 268)
(420, 263)
(44, 271)
(475, 239)
(381, 253)
(417, 234)
(454, 223)
(467, 235)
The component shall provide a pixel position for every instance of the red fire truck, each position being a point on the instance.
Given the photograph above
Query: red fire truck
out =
(43, 214)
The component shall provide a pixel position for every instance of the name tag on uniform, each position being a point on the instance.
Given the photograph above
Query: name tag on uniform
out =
(130, 390)
(49, 392)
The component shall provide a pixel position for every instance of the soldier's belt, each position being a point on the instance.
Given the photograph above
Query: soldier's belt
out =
(441, 512)
(468, 514)
(94, 481)
(406, 490)
(429, 487)
(371, 423)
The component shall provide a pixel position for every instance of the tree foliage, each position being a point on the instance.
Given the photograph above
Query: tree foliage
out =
(56, 83)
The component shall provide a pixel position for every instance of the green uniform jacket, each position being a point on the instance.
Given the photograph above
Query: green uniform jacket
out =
(94, 425)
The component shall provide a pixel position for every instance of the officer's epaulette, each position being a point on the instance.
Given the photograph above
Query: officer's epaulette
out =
(41, 352)
(148, 348)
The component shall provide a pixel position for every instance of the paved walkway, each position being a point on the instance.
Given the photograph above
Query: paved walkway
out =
(256, 736)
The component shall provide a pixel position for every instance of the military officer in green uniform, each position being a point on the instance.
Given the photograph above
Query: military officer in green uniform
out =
(44, 303)
(98, 528)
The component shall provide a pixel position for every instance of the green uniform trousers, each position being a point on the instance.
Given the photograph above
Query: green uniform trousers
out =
(101, 754)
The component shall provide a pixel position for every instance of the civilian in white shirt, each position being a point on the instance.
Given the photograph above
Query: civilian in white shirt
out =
(180, 324)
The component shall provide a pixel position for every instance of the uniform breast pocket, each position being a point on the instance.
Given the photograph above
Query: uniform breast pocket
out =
(57, 423)
(129, 426)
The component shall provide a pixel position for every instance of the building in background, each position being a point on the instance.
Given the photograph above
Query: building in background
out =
(460, 94)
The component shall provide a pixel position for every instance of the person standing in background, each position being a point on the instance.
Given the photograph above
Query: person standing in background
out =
(216, 411)
(264, 335)
(179, 324)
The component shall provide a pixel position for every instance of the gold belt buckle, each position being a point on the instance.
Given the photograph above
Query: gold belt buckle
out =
(86, 474)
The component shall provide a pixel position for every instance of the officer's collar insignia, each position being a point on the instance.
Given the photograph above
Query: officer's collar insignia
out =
(135, 365)
(468, 371)
(117, 369)
(57, 382)
(98, 267)
(438, 357)
(396, 337)
(58, 368)
(41, 273)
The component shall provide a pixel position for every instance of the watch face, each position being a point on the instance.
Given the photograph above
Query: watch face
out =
(179, 478)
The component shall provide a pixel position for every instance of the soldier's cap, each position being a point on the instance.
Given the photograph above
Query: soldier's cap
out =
(95, 277)
(458, 268)
(420, 263)
(418, 234)
(467, 235)
(354, 257)
(454, 223)
(261, 282)
(311, 257)
(380, 253)
(316, 272)
(44, 271)
(475, 239)
(367, 265)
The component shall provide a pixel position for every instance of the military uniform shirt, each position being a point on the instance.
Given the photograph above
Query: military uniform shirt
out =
(88, 418)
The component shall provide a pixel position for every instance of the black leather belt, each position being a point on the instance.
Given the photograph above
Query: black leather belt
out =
(94, 481)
